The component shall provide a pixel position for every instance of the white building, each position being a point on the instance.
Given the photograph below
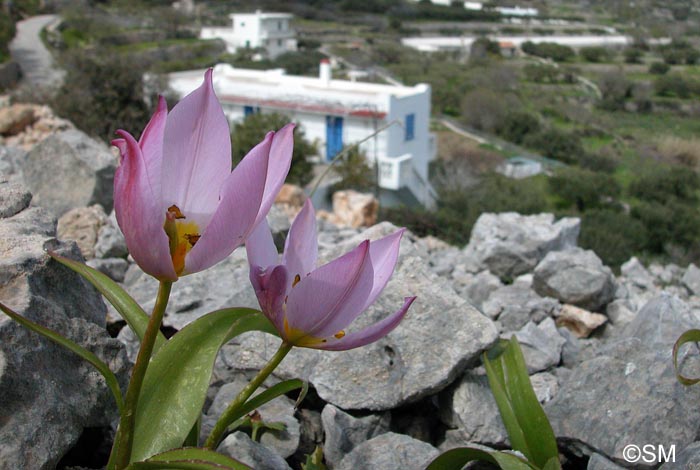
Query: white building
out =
(464, 43)
(336, 113)
(269, 31)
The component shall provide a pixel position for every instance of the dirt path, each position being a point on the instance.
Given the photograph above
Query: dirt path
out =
(34, 59)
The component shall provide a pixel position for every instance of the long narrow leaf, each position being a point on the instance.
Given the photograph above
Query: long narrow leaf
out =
(690, 336)
(270, 394)
(187, 458)
(455, 459)
(122, 302)
(177, 379)
(527, 425)
(101, 367)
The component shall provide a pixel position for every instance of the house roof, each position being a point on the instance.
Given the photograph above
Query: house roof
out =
(275, 89)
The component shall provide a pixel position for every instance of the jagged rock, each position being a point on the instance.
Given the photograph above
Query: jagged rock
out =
(82, 225)
(69, 170)
(579, 321)
(608, 401)
(110, 240)
(14, 198)
(242, 448)
(577, 277)
(545, 385)
(510, 244)
(281, 410)
(668, 274)
(541, 345)
(469, 410)
(48, 394)
(442, 262)
(691, 279)
(515, 305)
(636, 273)
(291, 195)
(619, 312)
(10, 158)
(388, 452)
(115, 268)
(687, 458)
(439, 337)
(353, 209)
(311, 428)
(477, 288)
(13, 119)
(577, 350)
(344, 432)
(598, 462)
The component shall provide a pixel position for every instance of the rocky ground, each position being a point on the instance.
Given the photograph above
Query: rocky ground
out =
(597, 346)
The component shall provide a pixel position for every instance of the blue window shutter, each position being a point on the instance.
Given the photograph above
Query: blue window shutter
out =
(410, 126)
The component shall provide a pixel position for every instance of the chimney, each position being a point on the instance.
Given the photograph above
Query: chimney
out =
(324, 72)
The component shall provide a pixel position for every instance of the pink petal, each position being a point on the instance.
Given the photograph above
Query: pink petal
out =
(280, 161)
(151, 143)
(270, 287)
(384, 254)
(235, 215)
(260, 247)
(140, 213)
(332, 296)
(196, 151)
(370, 334)
(301, 246)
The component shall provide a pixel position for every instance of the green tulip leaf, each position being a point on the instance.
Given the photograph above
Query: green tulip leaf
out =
(122, 302)
(189, 458)
(527, 425)
(270, 394)
(455, 459)
(177, 378)
(690, 336)
(101, 367)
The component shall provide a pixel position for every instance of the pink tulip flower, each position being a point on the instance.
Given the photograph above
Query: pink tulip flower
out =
(311, 307)
(180, 206)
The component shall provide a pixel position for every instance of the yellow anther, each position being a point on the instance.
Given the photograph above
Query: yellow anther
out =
(175, 212)
(192, 238)
(297, 280)
(339, 334)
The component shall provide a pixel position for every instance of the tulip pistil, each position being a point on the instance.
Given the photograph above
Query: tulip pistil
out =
(182, 236)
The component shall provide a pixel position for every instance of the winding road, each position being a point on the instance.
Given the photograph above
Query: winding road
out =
(29, 52)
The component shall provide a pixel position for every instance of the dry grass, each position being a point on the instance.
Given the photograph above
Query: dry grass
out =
(681, 151)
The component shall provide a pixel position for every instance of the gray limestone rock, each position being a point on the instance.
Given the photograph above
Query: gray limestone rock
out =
(608, 401)
(389, 451)
(470, 411)
(110, 242)
(439, 337)
(280, 410)
(115, 268)
(242, 448)
(516, 305)
(541, 344)
(545, 385)
(619, 312)
(598, 462)
(510, 244)
(68, 170)
(476, 288)
(691, 279)
(48, 394)
(687, 458)
(14, 198)
(636, 273)
(577, 277)
(344, 432)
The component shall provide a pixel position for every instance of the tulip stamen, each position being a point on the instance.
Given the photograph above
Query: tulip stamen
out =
(339, 334)
(297, 280)
(175, 212)
(181, 235)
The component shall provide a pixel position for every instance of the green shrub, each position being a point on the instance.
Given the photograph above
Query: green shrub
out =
(633, 55)
(671, 224)
(518, 125)
(673, 85)
(7, 32)
(613, 235)
(659, 68)
(247, 134)
(583, 189)
(354, 171)
(665, 183)
(594, 54)
(549, 50)
(556, 144)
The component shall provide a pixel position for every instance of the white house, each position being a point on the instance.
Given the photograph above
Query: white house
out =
(336, 113)
(269, 31)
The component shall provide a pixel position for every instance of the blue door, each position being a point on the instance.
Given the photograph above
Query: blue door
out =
(334, 136)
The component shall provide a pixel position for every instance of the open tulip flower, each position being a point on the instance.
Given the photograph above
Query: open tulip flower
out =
(180, 206)
(311, 307)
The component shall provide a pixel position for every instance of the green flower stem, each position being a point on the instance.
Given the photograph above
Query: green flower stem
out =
(121, 452)
(225, 419)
